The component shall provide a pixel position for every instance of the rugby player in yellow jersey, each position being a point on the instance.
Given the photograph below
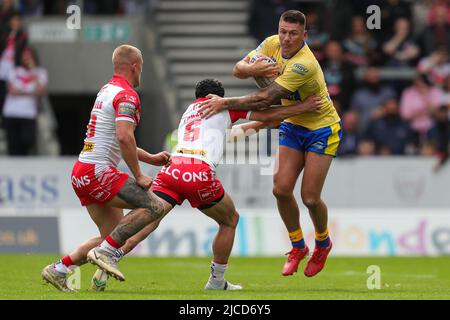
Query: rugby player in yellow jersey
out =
(308, 142)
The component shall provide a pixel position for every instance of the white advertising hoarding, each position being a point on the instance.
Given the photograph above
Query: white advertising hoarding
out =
(260, 232)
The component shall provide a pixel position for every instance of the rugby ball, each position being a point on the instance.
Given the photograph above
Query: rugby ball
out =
(263, 82)
(99, 280)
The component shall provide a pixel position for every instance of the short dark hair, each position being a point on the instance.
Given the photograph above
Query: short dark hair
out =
(209, 86)
(294, 16)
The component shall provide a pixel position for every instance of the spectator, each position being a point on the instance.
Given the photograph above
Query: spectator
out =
(317, 38)
(31, 7)
(335, 18)
(439, 134)
(391, 134)
(350, 136)
(265, 16)
(438, 5)
(401, 50)
(418, 104)
(366, 148)
(437, 34)
(371, 96)
(12, 44)
(360, 45)
(6, 12)
(27, 83)
(392, 10)
(436, 66)
(421, 10)
(445, 95)
(339, 75)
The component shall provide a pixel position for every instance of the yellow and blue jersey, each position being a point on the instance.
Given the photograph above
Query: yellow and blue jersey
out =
(303, 76)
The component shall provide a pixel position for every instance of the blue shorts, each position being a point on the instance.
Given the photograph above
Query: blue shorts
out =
(324, 140)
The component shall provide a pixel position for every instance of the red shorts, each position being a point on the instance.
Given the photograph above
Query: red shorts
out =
(95, 183)
(191, 179)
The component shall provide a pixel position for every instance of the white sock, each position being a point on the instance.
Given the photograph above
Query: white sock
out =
(106, 247)
(218, 271)
(119, 254)
(60, 267)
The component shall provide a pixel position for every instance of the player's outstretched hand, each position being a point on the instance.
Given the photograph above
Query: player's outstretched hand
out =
(313, 104)
(145, 182)
(212, 106)
(161, 159)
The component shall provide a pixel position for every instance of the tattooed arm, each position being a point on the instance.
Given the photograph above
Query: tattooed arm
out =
(256, 101)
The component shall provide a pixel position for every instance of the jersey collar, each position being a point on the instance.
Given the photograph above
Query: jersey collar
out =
(200, 100)
(120, 80)
(304, 43)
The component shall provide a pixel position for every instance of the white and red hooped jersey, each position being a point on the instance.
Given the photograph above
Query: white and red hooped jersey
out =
(204, 138)
(116, 101)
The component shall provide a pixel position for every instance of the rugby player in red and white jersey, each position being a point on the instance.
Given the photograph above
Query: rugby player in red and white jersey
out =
(191, 175)
(100, 186)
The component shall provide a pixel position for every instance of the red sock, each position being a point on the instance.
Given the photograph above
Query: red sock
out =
(67, 261)
(112, 242)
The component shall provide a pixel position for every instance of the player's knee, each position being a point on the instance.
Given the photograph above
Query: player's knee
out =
(310, 201)
(231, 221)
(234, 219)
(281, 192)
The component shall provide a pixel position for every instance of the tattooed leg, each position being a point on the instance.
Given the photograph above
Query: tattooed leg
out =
(137, 197)
(148, 208)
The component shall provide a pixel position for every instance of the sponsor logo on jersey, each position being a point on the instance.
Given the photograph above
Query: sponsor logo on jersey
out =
(126, 109)
(318, 145)
(88, 147)
(299, 69)
(98, 105)
(100, 194)
(132, 99)
(80, 182)
(209, 193)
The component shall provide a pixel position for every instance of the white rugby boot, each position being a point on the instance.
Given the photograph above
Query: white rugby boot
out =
(221, 285)
(56, 279)
(106, 262)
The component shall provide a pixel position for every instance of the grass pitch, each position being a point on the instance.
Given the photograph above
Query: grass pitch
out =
(184, 278)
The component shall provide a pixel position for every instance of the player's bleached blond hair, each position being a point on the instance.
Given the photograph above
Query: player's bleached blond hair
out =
(126, 55)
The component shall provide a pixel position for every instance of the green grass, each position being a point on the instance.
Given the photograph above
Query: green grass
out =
(184, 278)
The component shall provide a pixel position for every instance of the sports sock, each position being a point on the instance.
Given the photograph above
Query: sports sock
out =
(119, 254)
(63, 265)
(218, 271)
(322, 239)
(297, 238)
(109, 245)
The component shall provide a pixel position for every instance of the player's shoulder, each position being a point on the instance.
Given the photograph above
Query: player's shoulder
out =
(303, 63)
(272, 41)
(128, 96)
(275, 39)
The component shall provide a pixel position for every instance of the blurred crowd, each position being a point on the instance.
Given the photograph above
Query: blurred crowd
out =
(391, 86)
(97, 7)
(385, 109)
(22, 83)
